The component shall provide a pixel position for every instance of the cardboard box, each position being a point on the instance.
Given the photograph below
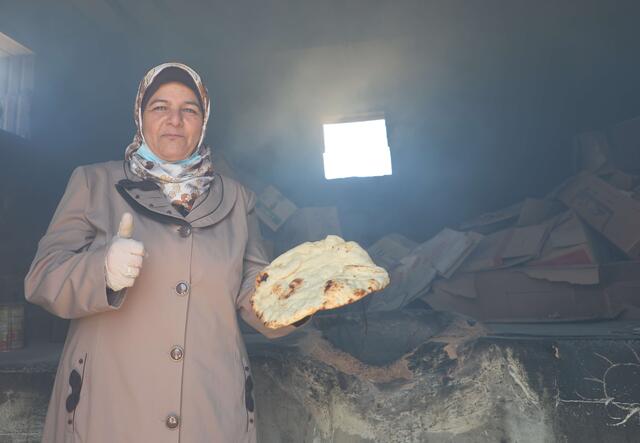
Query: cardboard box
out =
(506, 248)
(591, 152)
(409, 280)
(493, 221)
(531, 211)
(622, 283)
(621, 180)
(625, 145)
(606, 209)
(414, 273)
(273, 208)
(537, 210)
(461, 285)
(569, 243)
(511, 296)
(307, 224)
(574, 274)
(269, 247)
(448, 250)
(571, 253)
(223, 167)
(390, 249)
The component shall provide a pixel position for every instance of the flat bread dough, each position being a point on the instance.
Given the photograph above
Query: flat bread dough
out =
(314, 276)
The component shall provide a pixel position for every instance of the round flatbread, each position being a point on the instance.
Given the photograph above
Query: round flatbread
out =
(314, 276)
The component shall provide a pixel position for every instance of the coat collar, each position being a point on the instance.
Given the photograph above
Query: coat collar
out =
(208, 209)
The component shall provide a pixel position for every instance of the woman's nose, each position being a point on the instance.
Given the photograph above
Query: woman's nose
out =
(175, 117)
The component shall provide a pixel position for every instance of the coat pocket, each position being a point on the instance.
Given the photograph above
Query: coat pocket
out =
(248, 394)
(75, 382)
(249, 399)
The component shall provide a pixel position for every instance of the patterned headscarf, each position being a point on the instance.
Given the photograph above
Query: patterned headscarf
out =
(182, 182)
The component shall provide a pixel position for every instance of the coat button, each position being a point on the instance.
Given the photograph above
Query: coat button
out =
(182, 288)
(176, 353)
(172, 421)
(185, 231)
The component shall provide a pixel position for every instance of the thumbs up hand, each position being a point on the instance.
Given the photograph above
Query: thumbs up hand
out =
(124, 257)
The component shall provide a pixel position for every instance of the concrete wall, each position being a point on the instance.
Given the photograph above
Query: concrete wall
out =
(448, 387)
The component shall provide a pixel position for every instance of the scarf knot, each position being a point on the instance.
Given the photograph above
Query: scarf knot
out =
(181, 182)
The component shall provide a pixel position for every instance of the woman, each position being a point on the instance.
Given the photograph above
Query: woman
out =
(151, 258)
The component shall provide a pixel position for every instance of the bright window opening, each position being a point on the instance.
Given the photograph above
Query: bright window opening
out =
(356, 149)
(16, 86)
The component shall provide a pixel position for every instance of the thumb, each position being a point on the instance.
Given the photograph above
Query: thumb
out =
(125, 230)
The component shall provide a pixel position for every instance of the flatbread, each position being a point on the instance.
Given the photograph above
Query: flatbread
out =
(314, 276)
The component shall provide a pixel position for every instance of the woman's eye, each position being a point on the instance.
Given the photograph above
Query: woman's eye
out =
(192, 111)
(159, 108)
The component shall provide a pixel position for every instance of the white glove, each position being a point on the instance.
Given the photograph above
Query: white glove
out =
(124, 257)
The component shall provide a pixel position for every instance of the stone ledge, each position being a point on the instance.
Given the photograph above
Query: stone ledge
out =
(423, 382)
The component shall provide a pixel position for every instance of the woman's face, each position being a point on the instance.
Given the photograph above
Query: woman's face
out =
(172, 122)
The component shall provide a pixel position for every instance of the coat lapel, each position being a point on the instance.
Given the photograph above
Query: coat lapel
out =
(216, 205)
(208, 210)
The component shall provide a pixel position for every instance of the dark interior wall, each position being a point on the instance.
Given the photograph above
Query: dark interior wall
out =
(481, 98)
(83, 79)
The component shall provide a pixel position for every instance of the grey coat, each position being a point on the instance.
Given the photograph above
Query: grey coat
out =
(164, 360)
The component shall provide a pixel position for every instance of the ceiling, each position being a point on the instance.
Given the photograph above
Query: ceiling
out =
(10, 47)
(268, 23)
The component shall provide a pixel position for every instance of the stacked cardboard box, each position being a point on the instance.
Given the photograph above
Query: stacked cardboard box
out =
(574, 255)
(289, 225)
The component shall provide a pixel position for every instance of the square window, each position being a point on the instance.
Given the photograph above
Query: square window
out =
(356, 149)
(16, 86)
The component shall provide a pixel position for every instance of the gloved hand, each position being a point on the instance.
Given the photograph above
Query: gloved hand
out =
(124, 257)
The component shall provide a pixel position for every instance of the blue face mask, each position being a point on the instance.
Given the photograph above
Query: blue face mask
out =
(145, 152)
